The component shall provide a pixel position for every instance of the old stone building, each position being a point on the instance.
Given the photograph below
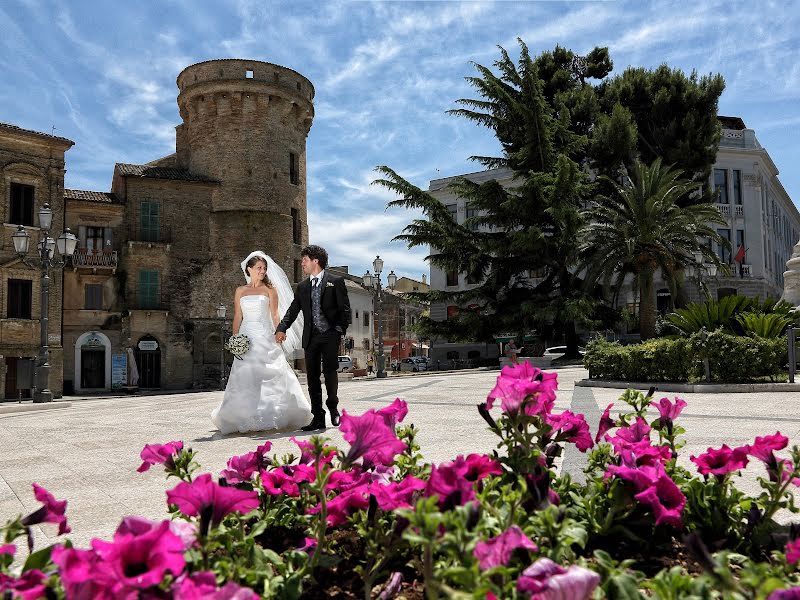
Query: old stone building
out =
(161, 250)
(31, 175)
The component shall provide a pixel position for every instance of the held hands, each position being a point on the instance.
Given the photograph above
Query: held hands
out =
(280, 337)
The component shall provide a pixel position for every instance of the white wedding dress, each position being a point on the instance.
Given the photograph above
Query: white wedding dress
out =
(263, 392)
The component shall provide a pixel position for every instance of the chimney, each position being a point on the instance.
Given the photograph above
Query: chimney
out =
(424, 278)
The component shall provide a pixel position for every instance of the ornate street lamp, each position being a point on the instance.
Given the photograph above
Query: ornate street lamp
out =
(221, 310)
(45, 261)
(373, 284)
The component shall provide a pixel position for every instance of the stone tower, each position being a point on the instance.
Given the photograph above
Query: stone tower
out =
(245, 125)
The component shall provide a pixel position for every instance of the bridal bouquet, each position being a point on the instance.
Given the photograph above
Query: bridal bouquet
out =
(238, 345)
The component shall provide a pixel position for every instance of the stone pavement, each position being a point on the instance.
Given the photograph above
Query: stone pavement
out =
(88, 452)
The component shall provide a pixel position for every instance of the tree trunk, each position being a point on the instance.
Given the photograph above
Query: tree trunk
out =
(647, 307)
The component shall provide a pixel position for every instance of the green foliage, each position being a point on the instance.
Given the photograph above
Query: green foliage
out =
(732, 358)
(765, 326)
(734, 314)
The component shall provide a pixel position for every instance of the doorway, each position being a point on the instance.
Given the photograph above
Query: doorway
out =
(12, 364)
(148, 361)
(93, 367)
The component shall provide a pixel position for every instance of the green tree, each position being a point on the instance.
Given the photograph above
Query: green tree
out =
(640, 228)
(533, 226)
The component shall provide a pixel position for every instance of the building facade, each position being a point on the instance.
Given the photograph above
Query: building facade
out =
(161, 250)
(31, 175)
(761, 219)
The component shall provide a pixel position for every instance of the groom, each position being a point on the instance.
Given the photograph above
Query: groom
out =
(326, 313)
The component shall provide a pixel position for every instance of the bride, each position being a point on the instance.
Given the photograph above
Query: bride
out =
(263, 392)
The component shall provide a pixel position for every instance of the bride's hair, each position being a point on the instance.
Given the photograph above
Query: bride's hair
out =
(252, 263)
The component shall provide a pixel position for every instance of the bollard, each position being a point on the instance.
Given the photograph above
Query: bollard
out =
(792, 356)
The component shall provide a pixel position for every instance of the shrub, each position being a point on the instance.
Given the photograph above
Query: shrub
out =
(660, 359)
(728, 313)
(734, 358)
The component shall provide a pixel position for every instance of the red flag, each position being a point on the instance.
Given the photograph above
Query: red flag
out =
(739, 255)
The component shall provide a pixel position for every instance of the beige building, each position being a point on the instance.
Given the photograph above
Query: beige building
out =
(161, 250)
(31, 175)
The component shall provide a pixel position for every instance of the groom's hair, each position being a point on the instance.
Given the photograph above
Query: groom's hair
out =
(316, 252)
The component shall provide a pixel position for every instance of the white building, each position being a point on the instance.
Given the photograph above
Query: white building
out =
(761, 218)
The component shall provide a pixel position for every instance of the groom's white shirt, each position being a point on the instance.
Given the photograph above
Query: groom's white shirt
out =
(319, 277)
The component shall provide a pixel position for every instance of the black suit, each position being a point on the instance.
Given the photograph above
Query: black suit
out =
(321, 347)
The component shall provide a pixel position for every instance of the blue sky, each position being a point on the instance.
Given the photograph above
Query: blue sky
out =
(384, 72)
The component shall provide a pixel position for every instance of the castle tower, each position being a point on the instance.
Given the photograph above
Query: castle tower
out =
(245, 124)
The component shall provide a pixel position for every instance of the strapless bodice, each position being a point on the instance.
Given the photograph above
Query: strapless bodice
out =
(254, 308)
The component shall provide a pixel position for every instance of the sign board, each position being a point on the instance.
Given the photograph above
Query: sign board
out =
(148, 345)
(24, 373)
(53, 338)
(119, 370)
(93, 341)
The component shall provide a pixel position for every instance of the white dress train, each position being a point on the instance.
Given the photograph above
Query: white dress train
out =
(263, 392)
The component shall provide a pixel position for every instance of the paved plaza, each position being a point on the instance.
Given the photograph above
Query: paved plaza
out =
(88, 452)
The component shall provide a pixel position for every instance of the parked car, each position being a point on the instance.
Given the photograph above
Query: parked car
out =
(413, 363)
(345, 364)
(557, 351)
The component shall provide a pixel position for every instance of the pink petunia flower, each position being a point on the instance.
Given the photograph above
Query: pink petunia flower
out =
(637, 432)
(669, 411)
(655, 489)
(546, 580)
(51, 511)
(606, 423)
(280, 481)
(134, 525)
(242, 468)
(343, 505)
(307, 449)
(498, 550)
(203, 586)
(793, 551)
(8, 549)
(643, 454)
(721, 461)
(394, 413)
(159, 454)
(764, 447)
(479, 466)
(138, 562)
(523, 383)
(30, 585)
(573, 428)
(787, 594)
(447, 481)
(370, 439)
(84, 574)
(396, 495)
(203, 494)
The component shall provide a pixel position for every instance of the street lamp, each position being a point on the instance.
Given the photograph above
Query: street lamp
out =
(45, 261)
(373, 284)
(221, 310)
(697, 271)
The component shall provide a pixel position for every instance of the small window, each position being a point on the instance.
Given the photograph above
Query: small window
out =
(94, 239)
(248, 74)
(20, 293)
(452, 278)
(472, 213)
(294, 169)
(296, 234)
(365, 315)
(148, 295)
(737, 186)
(721, 185)
(93, 296)
(453, 210)
(21, 212)
(724, 253)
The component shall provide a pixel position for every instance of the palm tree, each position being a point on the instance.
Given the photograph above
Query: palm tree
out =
(640, 228)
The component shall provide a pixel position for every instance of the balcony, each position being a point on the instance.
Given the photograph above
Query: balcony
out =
(746, 270)
(738, 211)
(94, 259)
(724, 210)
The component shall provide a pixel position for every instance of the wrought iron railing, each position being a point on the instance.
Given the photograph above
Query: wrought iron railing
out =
(95, 258)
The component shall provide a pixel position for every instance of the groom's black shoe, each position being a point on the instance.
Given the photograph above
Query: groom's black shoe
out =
(314, 425)
(335, 420)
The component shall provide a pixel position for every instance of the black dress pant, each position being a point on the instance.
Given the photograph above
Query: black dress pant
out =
(323, 350)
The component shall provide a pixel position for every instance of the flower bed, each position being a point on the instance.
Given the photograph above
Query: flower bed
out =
(374, 520)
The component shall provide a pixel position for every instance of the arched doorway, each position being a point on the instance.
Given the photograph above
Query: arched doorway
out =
(663, 301)
(148, 361)
(92, 361)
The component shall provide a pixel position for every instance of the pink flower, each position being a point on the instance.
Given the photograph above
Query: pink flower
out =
(347, 480)
(447, 481)
(307, 450)
(522, 383)
(787, 594)
(573, 428)
(8, 549)
(371, 438)
(203, 494)
(280, 481)
(242, 468)
(141, 561)
(159, 454)
(787, 468)
(606, 423)
(343, 505)
(396, 495)
(134, 525)
(721, 461)
(643, 454)
(308, 546)
(479, 466)
(51, 511)
(203, 586)
(793, 551)
(394, 413)
(669, 411)
(497, 550)
(545, 580)
(29, 586)
(665, 499)
(764, 447)
(83, 574)
(637, 432)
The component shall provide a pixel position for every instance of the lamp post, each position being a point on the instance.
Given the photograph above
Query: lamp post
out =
(373, 284)
(45, 261)
(221, 310)
(697, 271)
